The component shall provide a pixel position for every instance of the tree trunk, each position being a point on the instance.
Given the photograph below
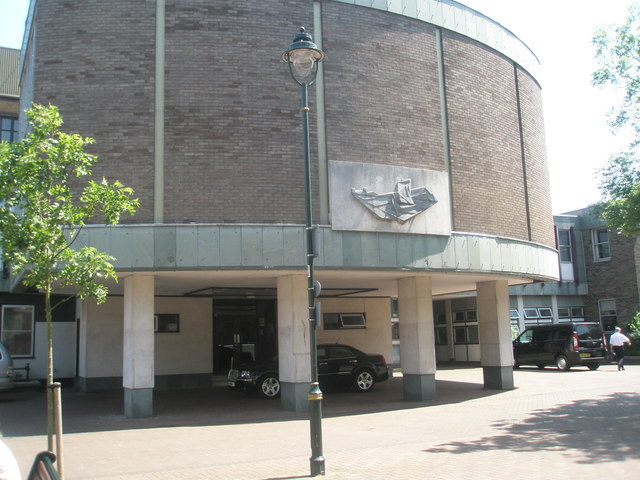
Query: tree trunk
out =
(50, 407)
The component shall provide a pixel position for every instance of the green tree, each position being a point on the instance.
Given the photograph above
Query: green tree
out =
(618, 56)
(44, 203)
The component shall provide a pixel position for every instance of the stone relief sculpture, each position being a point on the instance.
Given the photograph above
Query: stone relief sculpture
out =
(401, 205)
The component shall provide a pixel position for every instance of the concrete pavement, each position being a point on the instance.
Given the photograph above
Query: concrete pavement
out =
(554, 424)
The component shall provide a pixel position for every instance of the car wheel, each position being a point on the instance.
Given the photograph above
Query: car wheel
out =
(364, 381)
(593, 366)
(540, 367)
(562, 363)
(269, 386)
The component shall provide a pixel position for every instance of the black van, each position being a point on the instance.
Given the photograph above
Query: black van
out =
(563, 345)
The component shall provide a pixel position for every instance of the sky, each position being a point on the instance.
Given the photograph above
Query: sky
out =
(559, 32)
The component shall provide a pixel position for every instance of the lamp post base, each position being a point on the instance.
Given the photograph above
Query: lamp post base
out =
(317, 466)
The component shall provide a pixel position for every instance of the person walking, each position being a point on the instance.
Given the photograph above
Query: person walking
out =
(617, 342)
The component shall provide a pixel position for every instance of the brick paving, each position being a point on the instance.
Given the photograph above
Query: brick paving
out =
(579, 423)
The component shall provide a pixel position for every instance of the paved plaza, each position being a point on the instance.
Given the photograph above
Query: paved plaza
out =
(581, 424)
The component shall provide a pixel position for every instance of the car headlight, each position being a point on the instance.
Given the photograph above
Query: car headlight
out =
(244, 374)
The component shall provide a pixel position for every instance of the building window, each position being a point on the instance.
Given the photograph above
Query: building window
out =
(441, 336)
(601, 246)
(468, 333)
(8, 129)
(545, 312)
(564, 245)
(166, 322)
(537, 315)
(335, 321)
(395, 330)
(608, 315)
(17, 329)
(569, 314)
(394, 308)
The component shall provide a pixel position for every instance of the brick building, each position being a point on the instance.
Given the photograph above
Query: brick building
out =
(190, 105)
(598, 278)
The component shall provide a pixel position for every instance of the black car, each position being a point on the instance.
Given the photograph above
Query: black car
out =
(564, 345)
(337, 365)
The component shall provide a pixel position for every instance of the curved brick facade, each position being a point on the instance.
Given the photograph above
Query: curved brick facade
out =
(232, 141)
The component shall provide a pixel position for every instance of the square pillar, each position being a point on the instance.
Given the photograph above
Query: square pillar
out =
(293, 342)
(417, 342)
(138, 346)
(496, 350)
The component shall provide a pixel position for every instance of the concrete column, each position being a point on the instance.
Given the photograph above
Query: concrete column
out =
(496, 351)
(417, 343)
(138, 346)
(293, 342)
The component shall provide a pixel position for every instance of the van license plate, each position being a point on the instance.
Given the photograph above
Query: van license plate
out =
(585, 355)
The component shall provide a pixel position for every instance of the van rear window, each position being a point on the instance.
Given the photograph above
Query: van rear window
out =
(588, 331)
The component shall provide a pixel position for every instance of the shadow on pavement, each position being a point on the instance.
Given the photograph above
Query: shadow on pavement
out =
(562, 428)
(23, 411)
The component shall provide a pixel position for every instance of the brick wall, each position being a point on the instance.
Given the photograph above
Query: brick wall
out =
(486, 165)
(95, 61)
(616, 278)
(9, 106)
(382, 100)
(233, 134)
(232, 123)
(535, 155)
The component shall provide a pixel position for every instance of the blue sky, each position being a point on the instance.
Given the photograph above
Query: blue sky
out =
(559, 33)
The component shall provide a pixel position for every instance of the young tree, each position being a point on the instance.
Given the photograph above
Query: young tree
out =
(618, 56)
(43, 207)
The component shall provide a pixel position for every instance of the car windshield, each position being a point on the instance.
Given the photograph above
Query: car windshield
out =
(587, 331)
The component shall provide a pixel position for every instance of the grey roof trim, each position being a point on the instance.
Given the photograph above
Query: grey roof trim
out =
(265, 247)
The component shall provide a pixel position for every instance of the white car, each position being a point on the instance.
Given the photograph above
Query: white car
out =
(6, 369)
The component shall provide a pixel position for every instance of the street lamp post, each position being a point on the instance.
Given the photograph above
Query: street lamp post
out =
(303, 57)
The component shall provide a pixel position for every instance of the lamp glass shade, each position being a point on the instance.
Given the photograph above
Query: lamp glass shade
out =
(304, 64)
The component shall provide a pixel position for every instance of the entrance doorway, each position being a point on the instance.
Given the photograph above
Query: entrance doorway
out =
(243, 331)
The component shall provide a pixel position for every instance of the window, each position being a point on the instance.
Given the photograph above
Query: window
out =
(459, 335)
(394, 308)
(441, 318)
(17, 329)
(395, 331)
(514, 315)
(335, 321)
(467, 333)
(545, 312)
(564, 245)
(8, 129)
(570, 313)
(441, 336)
(601, 247)
(464, 335)
(166, 322)
(526, 337)
(538, 315)
(608, 314)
